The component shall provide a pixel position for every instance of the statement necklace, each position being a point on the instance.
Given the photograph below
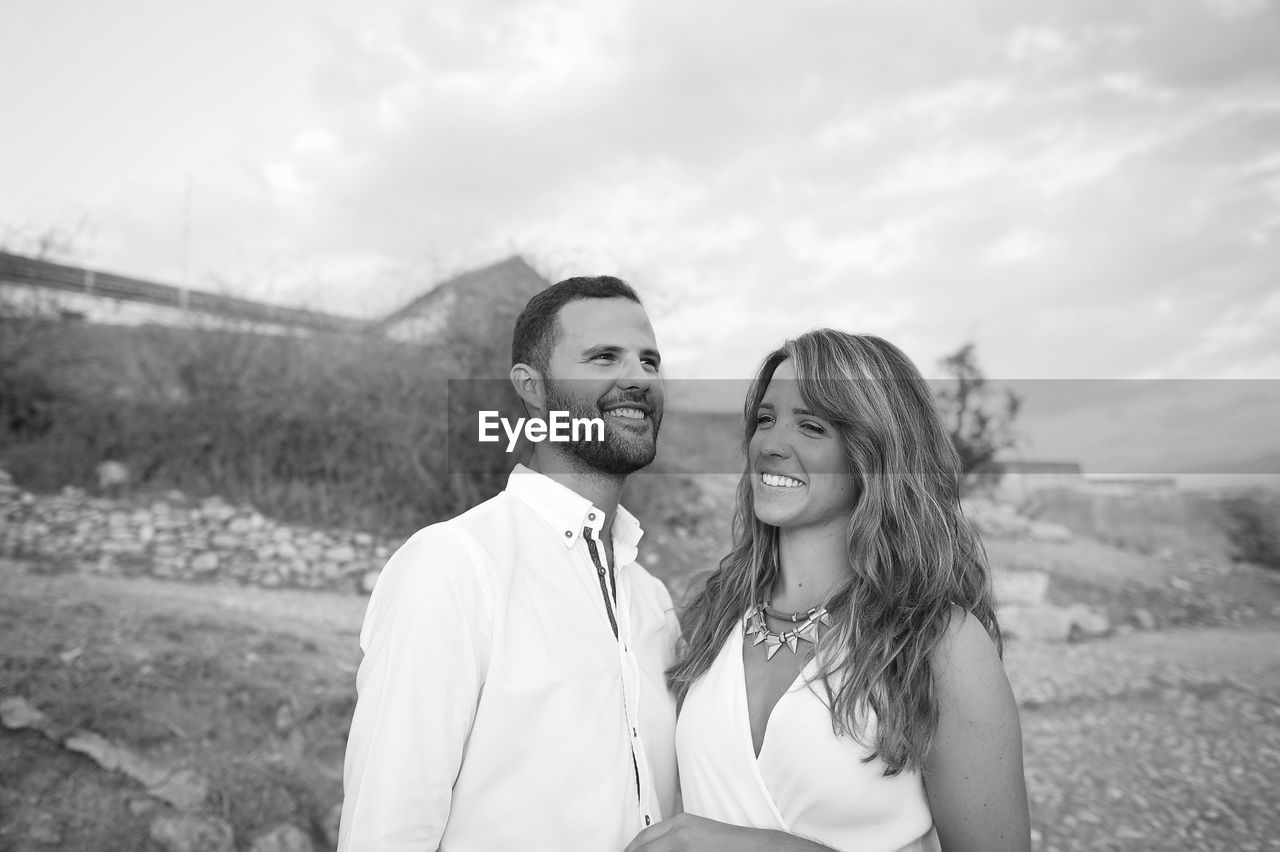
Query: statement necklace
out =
(808, 631)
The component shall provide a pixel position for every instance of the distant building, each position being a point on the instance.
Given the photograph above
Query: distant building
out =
(474, 302)
(39, 288)
(480, 305)
(1020, 479)
(1129, 485)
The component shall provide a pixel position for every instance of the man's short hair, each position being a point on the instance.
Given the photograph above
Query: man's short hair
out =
(538, 328)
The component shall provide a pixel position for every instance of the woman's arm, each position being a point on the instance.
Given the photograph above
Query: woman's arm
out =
(973, 776)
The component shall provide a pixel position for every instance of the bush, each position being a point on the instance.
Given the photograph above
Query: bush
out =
(324, 430)
(1252, 522)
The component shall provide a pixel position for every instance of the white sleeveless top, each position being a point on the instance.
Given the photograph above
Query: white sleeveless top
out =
(806, 781)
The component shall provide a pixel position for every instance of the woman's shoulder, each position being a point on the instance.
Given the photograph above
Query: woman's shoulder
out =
(965, 659)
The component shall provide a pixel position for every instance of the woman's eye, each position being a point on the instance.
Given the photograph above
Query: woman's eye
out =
(764, 419)
(814, 428)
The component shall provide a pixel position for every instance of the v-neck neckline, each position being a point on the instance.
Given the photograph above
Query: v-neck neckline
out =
(746, 696)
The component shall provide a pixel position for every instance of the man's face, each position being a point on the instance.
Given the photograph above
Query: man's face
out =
(606, 364)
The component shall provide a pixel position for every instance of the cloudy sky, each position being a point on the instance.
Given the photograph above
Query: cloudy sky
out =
(1086, 188)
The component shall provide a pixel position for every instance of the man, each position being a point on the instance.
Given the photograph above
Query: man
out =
(511, 694)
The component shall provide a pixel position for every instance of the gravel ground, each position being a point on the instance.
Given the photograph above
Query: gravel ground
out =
(1165, 740)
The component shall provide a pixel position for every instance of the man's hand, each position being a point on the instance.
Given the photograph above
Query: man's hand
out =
(689, 833)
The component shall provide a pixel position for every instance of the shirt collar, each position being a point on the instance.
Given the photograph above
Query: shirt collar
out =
(570, 513)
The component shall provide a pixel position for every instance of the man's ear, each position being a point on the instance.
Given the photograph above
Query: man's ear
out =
(529, 386)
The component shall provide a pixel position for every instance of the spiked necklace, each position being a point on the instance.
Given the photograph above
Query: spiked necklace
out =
(807, 631)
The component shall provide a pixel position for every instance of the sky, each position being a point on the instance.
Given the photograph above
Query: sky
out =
(1086, 189)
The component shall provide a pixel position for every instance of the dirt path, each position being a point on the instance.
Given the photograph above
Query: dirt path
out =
(1153, 740)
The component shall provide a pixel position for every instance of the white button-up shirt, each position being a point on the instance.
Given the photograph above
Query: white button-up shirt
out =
(496, 709)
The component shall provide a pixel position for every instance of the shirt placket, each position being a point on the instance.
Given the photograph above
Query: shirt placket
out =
(628, 666)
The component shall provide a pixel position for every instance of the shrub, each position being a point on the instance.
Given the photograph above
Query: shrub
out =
(325, 430)
(1252, 522)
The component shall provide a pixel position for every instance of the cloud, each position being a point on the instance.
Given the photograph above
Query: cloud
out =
(1086, 188)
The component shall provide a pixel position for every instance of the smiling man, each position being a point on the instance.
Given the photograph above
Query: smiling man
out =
(512, 693)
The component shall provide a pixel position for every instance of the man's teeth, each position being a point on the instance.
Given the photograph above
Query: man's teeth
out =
(778, 481)
(629, 413)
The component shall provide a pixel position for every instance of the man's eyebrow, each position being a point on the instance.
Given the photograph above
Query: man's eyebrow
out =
(613, 349)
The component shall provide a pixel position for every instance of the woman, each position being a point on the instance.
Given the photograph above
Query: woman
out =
(842, 686)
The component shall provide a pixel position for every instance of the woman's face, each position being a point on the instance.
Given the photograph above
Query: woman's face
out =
(798, 472)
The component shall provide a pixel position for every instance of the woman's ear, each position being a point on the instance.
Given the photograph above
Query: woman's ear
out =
(529, 386)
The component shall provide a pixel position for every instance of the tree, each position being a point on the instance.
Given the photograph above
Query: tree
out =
(980, 420)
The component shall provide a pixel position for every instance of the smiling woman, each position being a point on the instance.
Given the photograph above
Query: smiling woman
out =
(890, 724)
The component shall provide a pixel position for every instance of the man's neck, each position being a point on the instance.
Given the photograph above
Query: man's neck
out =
(603, 490)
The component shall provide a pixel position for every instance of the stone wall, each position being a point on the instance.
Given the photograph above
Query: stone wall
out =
(181, 537)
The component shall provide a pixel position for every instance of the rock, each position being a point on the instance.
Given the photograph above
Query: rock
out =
(330, 823)
(225, 541)
(188, 833)
(1048, 531)
(285, 718)
(43, 828)
(341, 554)
(115, 758)
(368, 580)
(1020, 587)
(17, 713)
(1143, 619)
(283, 838)
(185, 789)
(216, 510)
(1089, 623)
(239, 526)
(995, 519)
(1044, 622)
(142, 805)
(112, 475)
(205, 562)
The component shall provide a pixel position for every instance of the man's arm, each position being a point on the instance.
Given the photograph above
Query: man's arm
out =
(426, 641)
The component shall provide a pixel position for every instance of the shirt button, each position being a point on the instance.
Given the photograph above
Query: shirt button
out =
(591, 517)
(646, 819)
(568, 533)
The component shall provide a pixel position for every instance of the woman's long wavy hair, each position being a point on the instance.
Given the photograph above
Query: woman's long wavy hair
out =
(912, 555)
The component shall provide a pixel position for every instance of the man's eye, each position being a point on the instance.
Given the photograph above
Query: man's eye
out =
(604, 356)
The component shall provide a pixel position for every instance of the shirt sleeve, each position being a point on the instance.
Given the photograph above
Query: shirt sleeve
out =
(426, 642)
(675, 636)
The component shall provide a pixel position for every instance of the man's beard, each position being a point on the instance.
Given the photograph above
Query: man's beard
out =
(618, 454)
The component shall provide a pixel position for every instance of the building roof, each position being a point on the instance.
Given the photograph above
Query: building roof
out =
(512, 275)
(458, 298)
(1021, 466)
(19, 269)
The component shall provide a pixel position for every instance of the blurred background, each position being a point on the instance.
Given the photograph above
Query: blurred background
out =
(256, 260)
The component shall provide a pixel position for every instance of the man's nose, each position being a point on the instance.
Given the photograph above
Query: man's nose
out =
(636, 377)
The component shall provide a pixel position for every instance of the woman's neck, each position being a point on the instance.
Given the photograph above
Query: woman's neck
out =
(813, 562)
